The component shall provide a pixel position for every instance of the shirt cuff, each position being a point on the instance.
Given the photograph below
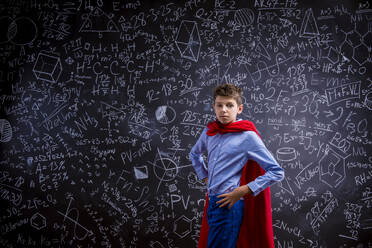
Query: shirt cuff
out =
(254, 188)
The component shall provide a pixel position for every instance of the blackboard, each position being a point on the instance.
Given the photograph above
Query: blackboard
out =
(101, 102)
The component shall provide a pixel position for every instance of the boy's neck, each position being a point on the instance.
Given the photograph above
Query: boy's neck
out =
(229, 122)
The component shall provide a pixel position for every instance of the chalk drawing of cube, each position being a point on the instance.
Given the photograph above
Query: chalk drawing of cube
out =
(47, 67)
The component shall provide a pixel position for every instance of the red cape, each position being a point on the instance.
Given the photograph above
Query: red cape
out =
(256, 230)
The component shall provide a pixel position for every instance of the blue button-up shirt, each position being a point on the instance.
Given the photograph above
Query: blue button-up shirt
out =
(227, 155)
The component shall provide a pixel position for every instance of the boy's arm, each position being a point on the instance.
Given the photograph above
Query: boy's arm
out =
(274, 173)
(196, 156)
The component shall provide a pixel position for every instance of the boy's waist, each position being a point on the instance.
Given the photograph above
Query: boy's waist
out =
(223, 188)
(213, 195)
(214, 198)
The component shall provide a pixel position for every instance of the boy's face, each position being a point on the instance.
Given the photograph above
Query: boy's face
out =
(226, 109)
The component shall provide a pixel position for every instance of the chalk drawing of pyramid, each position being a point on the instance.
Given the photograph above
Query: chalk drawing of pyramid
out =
(309, 28)
(188, 40)
(98, 22)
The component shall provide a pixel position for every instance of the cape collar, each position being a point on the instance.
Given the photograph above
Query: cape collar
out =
(233, 127)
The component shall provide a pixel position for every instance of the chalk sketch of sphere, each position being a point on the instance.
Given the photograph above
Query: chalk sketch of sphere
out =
(368, 100)
(165, 114)
(165, 169)
(244, 17)
(22, 31)
(6, 132)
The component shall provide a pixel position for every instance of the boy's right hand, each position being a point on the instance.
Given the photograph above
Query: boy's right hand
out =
(205, 180)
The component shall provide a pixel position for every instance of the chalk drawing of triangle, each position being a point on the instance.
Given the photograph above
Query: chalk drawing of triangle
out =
(262, 50)
(35, 106)
(109, 111)
(284, 184)
(111, 26)
(87, 26)
(309, 28)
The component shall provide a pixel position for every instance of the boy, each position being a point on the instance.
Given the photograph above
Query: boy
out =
(233, 184)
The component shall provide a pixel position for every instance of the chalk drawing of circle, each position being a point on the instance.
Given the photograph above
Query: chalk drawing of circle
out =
(22, 31)
(165, 169)
(286, 154)
(368, 100)
(5, 131)
(244, 17)
(165, 114)
(5, 22)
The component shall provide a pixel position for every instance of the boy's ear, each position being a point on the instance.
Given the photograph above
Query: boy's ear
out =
(240, 108)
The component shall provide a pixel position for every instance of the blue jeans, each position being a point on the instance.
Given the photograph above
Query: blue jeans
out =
(224, 224)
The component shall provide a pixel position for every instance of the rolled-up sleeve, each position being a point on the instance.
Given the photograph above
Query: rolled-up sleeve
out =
(273, 172)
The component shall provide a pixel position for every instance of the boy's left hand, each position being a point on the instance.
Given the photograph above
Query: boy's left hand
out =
(234, 196)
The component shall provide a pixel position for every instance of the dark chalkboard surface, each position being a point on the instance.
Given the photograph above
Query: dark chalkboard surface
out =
(101, 102)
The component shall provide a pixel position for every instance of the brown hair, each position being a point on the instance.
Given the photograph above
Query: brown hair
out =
(229, 90)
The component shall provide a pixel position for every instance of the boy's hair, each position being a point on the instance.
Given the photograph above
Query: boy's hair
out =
(228, 90)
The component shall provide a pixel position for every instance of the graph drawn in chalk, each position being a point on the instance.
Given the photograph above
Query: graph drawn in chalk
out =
(188, 40)
(273, 69)
(165, 114)
(98, 22)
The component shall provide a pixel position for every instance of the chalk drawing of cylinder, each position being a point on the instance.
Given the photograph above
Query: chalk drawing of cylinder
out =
(6, 132)
(286, 154)
(47, 67)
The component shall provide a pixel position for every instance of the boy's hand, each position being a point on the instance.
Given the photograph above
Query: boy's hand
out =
(234, 196)
(205, 180)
